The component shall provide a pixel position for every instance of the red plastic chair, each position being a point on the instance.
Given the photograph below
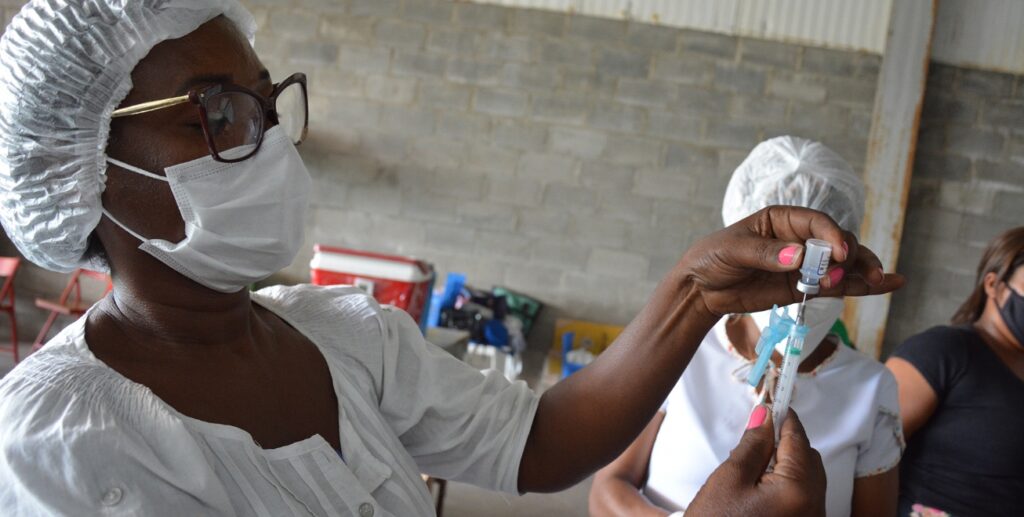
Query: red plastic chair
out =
(66, 305)
(8, 267)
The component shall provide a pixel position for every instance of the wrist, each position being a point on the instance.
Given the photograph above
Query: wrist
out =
(687, 289)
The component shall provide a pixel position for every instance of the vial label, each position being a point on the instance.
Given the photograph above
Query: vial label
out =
(823, 264)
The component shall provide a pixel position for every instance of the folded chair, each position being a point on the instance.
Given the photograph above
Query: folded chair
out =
(8, 267)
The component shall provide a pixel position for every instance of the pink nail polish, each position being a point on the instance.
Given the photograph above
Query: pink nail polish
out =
(787, 254)
(757, 417)
(835, 276)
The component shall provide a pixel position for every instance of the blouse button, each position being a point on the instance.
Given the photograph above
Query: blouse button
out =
(366, 510)
(113, 496)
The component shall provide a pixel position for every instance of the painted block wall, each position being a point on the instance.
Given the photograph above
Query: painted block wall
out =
(575, 158)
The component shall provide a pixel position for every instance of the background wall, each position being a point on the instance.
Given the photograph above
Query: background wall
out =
(572, 158)
(976, 33)
(840, 24)
(968, 186)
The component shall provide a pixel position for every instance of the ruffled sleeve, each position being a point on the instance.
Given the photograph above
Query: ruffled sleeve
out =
(457, 423)
(883, 451)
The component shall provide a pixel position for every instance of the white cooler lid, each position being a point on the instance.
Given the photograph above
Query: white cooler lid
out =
(368, 267)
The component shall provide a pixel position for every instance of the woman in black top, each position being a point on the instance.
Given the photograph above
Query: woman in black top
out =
(962, 398)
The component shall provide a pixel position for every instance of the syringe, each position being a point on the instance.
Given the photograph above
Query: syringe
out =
(787, 377)
(816, 256)
(780, 326)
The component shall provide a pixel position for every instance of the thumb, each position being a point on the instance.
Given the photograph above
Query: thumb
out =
(796, 459)
(751, 456)
(765, 253)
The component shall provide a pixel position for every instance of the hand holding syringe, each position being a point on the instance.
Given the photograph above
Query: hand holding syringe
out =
(816, 257)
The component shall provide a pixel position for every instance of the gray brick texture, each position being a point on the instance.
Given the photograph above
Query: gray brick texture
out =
(967, 188)
(575, 158)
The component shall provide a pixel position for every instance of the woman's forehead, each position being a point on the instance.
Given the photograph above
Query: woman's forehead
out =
(217, 49)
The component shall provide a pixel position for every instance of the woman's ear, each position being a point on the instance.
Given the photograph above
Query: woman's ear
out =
(990, 283)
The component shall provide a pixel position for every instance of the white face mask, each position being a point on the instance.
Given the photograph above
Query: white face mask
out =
(243, 221)
(819, 316)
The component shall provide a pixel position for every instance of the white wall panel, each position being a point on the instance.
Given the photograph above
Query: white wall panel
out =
(980, 33)
(977, 33)
(845, 24)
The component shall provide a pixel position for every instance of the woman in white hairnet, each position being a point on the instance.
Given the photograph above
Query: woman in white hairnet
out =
(145, 137)
(846, 401)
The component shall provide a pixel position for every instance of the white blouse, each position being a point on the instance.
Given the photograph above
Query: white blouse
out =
(848, 406)
(77, 438)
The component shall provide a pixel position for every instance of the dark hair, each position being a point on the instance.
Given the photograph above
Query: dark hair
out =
(95, 255)
(1002, 257)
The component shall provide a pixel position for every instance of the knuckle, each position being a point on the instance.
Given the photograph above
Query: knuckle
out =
(765, 251)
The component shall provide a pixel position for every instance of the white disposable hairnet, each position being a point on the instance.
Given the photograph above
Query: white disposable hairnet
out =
(788, 170)
(64, 67)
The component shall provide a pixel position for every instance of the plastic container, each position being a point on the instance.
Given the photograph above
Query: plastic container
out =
(403, 282)
(569, 367)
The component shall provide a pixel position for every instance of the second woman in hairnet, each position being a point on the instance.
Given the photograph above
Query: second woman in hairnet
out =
(847, 401)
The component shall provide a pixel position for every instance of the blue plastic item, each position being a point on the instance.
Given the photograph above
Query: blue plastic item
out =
(779, 327)
(495, 333)
(568, 368)
(453, 284)
(434, 311)
(428, 319)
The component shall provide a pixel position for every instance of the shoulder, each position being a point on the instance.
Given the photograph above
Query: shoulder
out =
(946, 334)
(313, 302)
(62, 420)
(341, 309)
(940, 343)
(62, 387)
(333, 316)
(856, 376)
(351, 329)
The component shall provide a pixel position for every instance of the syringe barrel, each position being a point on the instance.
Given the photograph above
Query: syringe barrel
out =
(787, 377)
(816, 256)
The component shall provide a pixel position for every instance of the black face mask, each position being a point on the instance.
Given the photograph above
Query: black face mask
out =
(1013, 314)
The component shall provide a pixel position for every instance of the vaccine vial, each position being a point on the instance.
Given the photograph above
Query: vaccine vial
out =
(816, 256)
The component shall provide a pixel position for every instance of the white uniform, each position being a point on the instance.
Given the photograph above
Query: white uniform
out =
(848, 406)
(77, 438)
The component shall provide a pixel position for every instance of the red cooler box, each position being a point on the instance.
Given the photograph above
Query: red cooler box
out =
(400, 281)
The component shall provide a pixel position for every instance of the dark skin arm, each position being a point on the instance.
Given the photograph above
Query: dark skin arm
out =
(876, 495)
(917, 398)
(616, 488)
(731, 271)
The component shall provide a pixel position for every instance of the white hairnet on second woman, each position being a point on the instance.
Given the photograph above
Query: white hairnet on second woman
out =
(789, 170)
(56, 97)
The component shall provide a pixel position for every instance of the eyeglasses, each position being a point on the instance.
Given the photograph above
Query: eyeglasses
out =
(234, 118)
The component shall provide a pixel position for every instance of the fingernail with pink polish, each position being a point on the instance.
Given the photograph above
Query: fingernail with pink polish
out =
(757, 417)
(835, 276)
(788, 255)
